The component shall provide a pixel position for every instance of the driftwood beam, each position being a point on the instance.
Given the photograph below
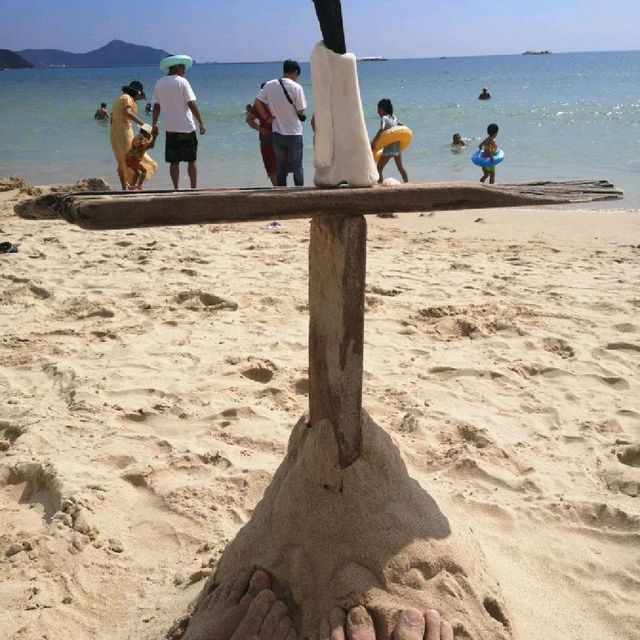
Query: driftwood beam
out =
(337, 268)
(211, 206)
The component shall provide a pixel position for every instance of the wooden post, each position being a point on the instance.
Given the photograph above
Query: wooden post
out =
(337, 271)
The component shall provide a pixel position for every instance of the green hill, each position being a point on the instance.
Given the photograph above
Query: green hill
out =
(11, 60)
(114, 54)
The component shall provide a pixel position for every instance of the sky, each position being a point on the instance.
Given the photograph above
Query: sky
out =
(253, 30)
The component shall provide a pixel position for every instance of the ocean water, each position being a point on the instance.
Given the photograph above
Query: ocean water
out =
(561, 117)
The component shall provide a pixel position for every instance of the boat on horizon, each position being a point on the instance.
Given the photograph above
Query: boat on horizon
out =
(371, 59)
(541, 52)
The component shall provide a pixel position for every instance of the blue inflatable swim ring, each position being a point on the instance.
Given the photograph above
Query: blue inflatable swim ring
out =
(478, 159)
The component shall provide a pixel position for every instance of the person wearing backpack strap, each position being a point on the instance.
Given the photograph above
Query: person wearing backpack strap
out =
(285, 103)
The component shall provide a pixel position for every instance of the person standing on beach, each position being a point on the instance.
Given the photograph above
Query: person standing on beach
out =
(264, 128)
(388, 121)
(282, 102)
(175, 99)
(489, 149)
(123, 113)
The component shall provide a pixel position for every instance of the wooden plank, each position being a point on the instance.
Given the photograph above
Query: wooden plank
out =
(209, 206)
(337, 266)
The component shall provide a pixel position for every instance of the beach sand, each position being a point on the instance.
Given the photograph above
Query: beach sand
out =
(151, 379)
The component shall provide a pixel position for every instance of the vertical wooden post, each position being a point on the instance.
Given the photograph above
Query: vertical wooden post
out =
(337, 271)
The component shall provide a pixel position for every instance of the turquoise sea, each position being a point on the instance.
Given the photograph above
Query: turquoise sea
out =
(561, 116)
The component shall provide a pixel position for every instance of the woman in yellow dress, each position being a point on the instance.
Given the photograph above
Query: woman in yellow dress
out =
(123, 113)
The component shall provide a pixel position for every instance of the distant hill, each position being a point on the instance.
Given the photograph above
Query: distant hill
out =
(11, 60)
(115, 54)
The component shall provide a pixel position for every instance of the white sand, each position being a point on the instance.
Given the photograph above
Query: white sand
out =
(150, 380)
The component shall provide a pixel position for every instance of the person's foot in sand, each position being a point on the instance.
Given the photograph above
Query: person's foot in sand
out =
(358, 625)
(241, 609)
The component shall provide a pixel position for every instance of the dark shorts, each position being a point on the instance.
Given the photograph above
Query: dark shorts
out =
(181, 147)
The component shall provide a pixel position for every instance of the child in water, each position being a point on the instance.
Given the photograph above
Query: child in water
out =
(458, 141)
(139, 145)
(489, 148)
(388, 120)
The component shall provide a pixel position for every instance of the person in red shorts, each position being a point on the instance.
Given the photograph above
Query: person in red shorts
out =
(263, 127)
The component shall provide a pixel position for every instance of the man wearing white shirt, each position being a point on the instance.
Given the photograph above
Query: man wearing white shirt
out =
(174, 97)
(286, 103)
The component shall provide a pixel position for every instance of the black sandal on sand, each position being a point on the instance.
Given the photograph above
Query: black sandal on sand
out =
(7, 247)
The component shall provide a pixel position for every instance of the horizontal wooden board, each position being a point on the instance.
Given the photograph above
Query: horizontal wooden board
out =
(123, 210)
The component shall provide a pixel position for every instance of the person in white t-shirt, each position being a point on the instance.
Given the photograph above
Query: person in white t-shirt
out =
(175, 99)
(286, 103)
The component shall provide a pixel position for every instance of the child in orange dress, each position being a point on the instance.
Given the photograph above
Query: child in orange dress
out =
(139, 145)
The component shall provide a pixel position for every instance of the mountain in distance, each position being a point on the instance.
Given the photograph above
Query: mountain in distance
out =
(11, 60)
(114, 54)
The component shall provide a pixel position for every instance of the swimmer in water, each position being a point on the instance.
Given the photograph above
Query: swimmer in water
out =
(484, 95)
(458, 141)
(101, 113)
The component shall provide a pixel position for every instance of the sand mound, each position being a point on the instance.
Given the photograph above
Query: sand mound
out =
(368, 535)
(8, 183)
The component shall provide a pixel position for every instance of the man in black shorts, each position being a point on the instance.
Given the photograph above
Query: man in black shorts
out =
(174, 97)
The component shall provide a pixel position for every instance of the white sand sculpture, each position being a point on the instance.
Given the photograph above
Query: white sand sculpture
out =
(342, 150)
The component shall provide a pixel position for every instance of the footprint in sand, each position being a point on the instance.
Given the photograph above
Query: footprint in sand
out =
(38, 486)
(82, 309)
(301, 386)
(202, 301)
(382, 291)
(9, 433)
(39, 292)
(630, 456)
(559, 347)
(626, 327)
(259, 370)
(622, 346)
(458, 328)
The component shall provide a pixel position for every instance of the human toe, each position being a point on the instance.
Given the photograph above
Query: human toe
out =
(360, 625)
(258, 610)
(272, 620)
(433, 624)
(410, 625)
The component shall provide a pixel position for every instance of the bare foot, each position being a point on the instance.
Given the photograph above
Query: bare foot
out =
(220, 614)
(358, 625)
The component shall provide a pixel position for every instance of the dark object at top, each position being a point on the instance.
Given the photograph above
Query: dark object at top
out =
(135, 90)
(329, 14)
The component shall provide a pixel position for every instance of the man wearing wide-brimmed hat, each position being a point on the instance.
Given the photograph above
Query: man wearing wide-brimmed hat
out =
(175, 99)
